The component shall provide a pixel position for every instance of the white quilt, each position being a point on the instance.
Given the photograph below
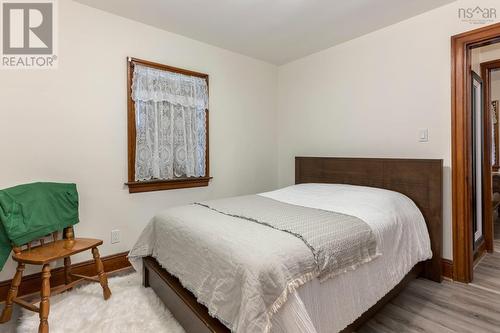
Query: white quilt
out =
(403, 239)
(190, 248)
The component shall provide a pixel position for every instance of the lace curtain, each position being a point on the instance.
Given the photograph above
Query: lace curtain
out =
(494, 143)
(170, 113)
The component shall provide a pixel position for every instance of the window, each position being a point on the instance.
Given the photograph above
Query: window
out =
(167, 127)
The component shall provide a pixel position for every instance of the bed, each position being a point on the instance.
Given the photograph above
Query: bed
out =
(409, 245)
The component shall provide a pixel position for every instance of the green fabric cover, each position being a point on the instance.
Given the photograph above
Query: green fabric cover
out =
(31, 211)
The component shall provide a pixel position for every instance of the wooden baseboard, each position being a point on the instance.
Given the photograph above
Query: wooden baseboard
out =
(447, 268)
(31, 283)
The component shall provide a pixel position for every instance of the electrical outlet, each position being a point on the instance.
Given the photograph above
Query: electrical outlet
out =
(115, 236)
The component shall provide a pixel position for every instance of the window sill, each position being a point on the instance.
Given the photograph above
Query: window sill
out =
(161, 185)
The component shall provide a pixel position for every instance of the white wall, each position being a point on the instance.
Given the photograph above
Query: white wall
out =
(69, 124)
(484, 54)
(369, 97)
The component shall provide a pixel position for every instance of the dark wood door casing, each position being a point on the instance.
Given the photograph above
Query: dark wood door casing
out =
(461, 45)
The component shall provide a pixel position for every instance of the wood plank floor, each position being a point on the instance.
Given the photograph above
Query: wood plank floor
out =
(496, 245)
(496, 237)
(425, 306)
(487, 273)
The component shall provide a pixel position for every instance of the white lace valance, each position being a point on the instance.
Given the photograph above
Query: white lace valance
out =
(155, 85)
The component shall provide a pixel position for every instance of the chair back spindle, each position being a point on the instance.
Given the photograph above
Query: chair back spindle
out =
(17, 249)
(69, 233)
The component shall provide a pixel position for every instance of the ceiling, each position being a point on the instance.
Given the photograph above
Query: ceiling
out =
(276, 31)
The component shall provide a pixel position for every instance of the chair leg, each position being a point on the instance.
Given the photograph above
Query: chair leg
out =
(16, 281)
(44, 303)
(103, 279)
(67, 270)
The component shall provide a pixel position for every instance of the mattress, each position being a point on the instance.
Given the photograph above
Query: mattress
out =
(314, 307)
(403, 240)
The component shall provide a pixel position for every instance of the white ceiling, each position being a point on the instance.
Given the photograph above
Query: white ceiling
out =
(277, 31)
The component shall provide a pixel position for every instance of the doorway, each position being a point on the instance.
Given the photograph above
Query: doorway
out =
(471, 175)
(485, 183)
(490, 73)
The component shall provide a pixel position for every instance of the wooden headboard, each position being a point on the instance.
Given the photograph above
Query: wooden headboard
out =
(420, 180)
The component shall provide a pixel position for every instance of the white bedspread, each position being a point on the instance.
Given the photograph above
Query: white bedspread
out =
(316, 307)
(403, 239)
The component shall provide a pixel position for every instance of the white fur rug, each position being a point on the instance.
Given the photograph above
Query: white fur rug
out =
(131, 309)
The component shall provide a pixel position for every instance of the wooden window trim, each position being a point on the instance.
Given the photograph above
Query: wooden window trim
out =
(158, 185)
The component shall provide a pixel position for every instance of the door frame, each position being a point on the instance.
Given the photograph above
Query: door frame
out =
(461, 45)
(486, 68)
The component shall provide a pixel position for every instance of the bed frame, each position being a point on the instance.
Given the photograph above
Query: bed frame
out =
(420, 180)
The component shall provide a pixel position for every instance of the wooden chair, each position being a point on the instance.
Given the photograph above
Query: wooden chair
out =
(44, 254)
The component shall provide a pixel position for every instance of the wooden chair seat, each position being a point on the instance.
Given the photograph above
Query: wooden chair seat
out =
(41, 255)
(44, 254)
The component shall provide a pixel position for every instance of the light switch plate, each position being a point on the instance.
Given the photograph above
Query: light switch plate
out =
(423, 135)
